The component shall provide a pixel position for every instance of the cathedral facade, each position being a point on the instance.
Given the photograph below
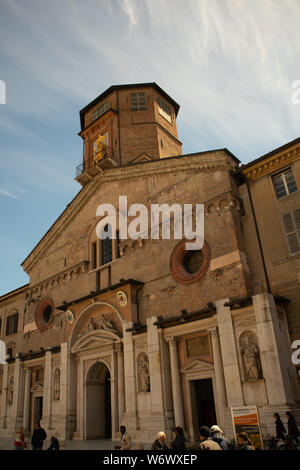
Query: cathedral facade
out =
(143, 332)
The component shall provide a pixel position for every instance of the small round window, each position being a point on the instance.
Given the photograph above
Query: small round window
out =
(44, 313)
(188, 266)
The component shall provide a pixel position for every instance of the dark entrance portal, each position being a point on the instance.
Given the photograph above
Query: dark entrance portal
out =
(98, 402)
(204, 395)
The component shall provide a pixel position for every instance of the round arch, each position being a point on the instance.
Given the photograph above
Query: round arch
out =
(87, 311)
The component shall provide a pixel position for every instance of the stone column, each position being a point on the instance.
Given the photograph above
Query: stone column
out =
(114, 396)
(275, 351)
(64, 376)
(4, 396)
(130, 382)
(17, 406)
(47, 391)
(26, 413)
(155, 369)
(220, 398)
(229, 355)
(121, 385)
(176, 383)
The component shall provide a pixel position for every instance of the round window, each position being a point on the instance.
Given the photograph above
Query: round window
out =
(188, 266)
(44, 313)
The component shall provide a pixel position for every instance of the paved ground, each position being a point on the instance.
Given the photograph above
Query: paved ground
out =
(6, 443)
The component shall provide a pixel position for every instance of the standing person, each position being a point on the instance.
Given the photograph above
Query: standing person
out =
(206, 442)
(125, 440)
(292, 427)
(54, 445)
(217, 435)
(38, 437)
(244, 442)
(280, 429)
(179, 441)
(160, 442)
(19, 439)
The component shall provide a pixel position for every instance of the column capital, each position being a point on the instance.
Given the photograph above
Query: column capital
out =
(172, 340)
(214, 331)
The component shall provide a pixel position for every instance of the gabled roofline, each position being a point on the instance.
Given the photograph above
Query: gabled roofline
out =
(120, 87)
(175, 157)
(16, 291)
(273, 152)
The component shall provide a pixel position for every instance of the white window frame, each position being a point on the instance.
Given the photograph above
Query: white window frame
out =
(282, 174)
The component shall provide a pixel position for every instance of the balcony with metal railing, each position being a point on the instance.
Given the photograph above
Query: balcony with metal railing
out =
(105, 158)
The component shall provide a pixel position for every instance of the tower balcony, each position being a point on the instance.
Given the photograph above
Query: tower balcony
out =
(89, 168)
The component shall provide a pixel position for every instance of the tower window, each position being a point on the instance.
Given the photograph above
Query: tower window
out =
(138, 101)
(100, 110)
(284, 183)
(164, 110)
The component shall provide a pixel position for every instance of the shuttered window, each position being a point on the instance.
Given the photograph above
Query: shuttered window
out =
(284, 183)
(291, 223)
(138, 101)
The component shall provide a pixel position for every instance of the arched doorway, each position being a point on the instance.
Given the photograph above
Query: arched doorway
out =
(98, 402)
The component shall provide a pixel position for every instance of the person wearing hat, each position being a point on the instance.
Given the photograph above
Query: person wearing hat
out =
(217, 435)
(206, 442)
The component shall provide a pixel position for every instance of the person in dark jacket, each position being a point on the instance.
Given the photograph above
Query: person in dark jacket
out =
(159, 443)
(38, 437)
(54, 444)
(216, 434)
(280, 429)
(292, 427)
(179, 441)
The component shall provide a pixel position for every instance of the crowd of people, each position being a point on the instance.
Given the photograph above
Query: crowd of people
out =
(213, 438)
(210, 438)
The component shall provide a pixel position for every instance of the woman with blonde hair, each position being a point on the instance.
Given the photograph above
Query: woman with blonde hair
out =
(19, 439)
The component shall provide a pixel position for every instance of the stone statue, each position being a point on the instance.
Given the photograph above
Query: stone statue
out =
(106, 324)
(91, 326)
(251, 357)
(56, 384)
(10, 390)
(143, 371)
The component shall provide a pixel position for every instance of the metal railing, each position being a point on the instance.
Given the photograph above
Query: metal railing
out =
(106, 153)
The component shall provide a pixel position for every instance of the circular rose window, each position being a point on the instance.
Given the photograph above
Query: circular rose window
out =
(44, 313)
(188, 266)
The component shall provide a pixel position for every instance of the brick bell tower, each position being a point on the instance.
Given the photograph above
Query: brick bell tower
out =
(127, 124)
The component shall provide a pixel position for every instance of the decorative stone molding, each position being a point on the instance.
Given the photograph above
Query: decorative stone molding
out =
(271, 164)
(36, 291)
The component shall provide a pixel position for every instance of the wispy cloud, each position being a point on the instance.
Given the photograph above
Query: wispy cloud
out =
(6, 193)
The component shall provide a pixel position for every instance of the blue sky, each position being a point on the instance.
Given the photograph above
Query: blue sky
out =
(230, 64)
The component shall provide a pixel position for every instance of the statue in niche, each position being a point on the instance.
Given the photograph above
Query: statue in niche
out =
(56, 384)
(91, 326)
(251, 356)
(143, 373)
(10, 391)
